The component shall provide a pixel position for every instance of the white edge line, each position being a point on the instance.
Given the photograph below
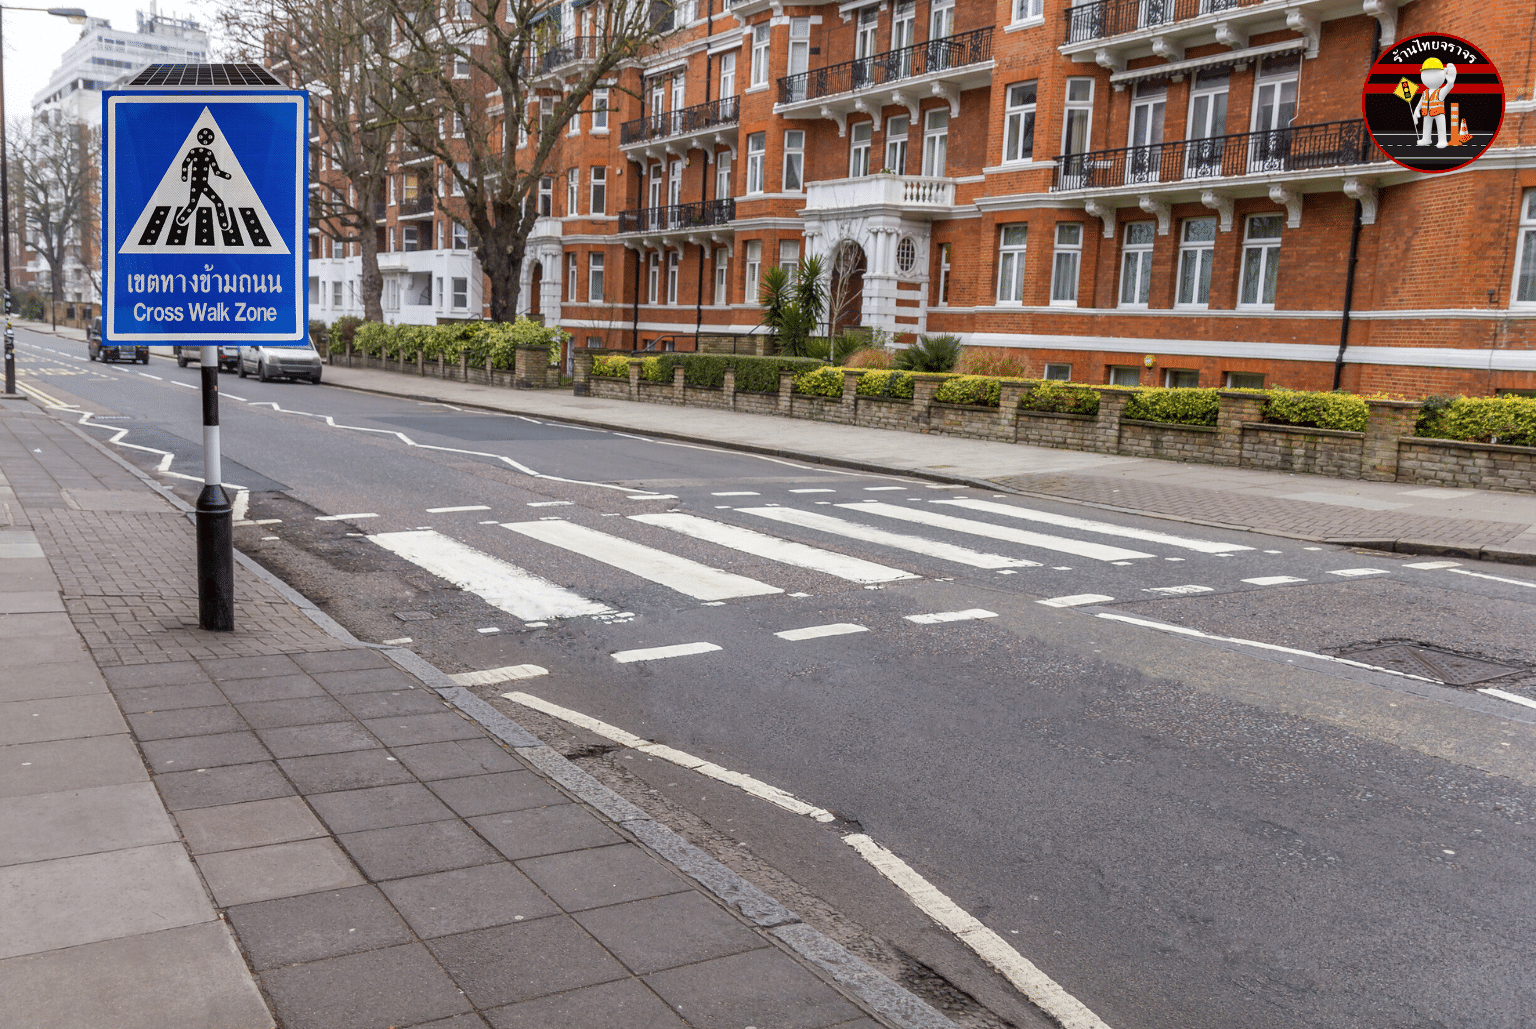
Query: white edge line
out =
(342, 517)
(450, 510)
(1511, 697)
(1495, 578)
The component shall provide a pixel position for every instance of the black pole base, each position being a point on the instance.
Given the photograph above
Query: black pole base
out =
(215, 560)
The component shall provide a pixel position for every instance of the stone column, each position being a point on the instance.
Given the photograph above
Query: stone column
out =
(349, 355)
(1236, 408)
(786, 389)
(463, 366)
(581, 380)
(729, 389)
(923, 389)
(490, 377)
(1106, 429)
(679, 386)
(634, 378)
(1389, 421)
(530, 367)
(1008, 410)
(849, 412)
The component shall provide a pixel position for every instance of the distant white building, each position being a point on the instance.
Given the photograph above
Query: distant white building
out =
(102, 55)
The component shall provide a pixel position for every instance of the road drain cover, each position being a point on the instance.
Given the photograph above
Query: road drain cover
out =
(1451, 669)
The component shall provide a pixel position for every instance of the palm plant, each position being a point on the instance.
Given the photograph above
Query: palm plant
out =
(793, 304)
(930, 354)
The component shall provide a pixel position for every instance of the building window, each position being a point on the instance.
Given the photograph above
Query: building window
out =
(755, 145)
(789, 256)
(1077, 122)
(391, 239)
(1019, 123)
(673, 258)
(906, 255)
(461, 68)
(1181, 378)
(546, 113)
(896, 144)
(865, 37)
(410, 237)
(935, 141)
(944, 274)
(1197, 248)
(1261, 260)
(653, 277)
(1058, 372)
(599, 110)
(460, 294)
(599, 199)
(460, 236)
(723, 174)
(1067, 263)
(1525, 257)
(1245, 380)
(572, 185)
(1028, 10)
(1010, 264)
(594, 342)
(760, 55)
(722, 276)
(794, 160)
(572, 272)
(458, 180)
(754, 268)
(858, 149)
(799, 57)
(727, 75)
(594, 277)
(1124, 375)
(547, 195)
(336, 293)
(1136, 265)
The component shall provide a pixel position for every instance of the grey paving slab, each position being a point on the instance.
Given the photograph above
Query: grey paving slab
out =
(534, 832)
(60, 765)
(341, 660)
(394, 986)
(61, 718)
(456, 758)
(408, 730)
(528, 959)
(324, 738)
(326, 773)
(379, 807)
(229, 784)
(320, 925)
(167, 698)
(185, 721)
(664, 932)
(393, 702)
(595, 878)
(281, 870)
(274, 687)
(627, 1002)
(24, 651)
(256, 823)
(367, 680)
(35, 626)
(65, 902)
(273, 714)
(106, 818)
(182, 752)
(186, 978)
(456, 1022)
(76, 677)
(29, 602)
(408, 850)
(26, 574)
(263, 666)
(162, 674)
(465, 899)
(765, 989)
(497, 792)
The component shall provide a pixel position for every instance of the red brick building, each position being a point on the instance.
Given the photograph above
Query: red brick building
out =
(1154, 191)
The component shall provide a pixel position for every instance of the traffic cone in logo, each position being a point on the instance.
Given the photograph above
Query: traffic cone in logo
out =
(1462, 135)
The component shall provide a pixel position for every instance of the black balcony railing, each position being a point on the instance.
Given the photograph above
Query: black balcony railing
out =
(1298, 148)
(956, 51)
(679, 216)
(1104, 18)
(378, 208)
(558, 53)
(721, 111)
(416, 205)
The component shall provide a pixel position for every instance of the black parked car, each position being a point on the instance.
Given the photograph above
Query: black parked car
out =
(229, 357)
(97, 352)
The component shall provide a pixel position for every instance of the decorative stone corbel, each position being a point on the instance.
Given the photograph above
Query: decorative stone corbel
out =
(1232, 36)
(1309, 27)
(873, 110)
(950, 92)
(1385, 13)
(900, 99)
(1111, 60)
(841, 117)
(1104, 213)
(1365, 192)
(722, 141)
(1222, 205)
(1292, 203)
(1160, 208)
(1167, 49)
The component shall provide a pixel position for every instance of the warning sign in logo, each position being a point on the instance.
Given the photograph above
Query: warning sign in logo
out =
(204, 203)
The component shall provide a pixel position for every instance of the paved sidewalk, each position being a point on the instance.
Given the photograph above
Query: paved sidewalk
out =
(1388, 515)
(280, 827)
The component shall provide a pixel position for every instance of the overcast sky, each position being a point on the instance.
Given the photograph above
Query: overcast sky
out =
(35, 41)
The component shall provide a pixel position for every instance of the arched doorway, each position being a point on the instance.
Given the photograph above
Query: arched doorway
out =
(845, 287)
(535, 287)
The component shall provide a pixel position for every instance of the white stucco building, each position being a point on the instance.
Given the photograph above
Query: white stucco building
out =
(102, 55)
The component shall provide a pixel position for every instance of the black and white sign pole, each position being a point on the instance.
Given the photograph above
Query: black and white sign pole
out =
(215, 516)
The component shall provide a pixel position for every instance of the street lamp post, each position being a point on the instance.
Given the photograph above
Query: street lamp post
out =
(76, 17)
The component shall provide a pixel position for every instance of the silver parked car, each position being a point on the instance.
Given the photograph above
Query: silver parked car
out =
(268, 363)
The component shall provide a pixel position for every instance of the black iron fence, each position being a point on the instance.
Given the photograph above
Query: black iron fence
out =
(1104, 18)
(1298, 148)
(679, 216)
(955, 51)
(721, 111)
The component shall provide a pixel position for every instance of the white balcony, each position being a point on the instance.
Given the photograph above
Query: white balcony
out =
(907, 194)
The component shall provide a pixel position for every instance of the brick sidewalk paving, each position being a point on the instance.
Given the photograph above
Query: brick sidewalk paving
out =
(388, 849)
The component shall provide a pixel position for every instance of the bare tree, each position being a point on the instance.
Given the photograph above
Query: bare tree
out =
(57, 174)
(329, 47)
(487, 87)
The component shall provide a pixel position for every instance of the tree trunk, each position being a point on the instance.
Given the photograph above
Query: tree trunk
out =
(372, 284)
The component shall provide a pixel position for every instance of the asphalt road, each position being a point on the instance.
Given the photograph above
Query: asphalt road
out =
(1125, 745)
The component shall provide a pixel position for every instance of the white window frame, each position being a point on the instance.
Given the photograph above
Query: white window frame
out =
(757, 144)
(1522, 290)
(599, 111)
(794, 160)
(461, 67)
(789, 256)
(460, 236)
(1268, 267)
(1195, 257)
(754, 269)
(457, 188)
(572, 276)
(935, 142)
(674, 272)
(1067, 263)
(722, 276)
(1012, 248)
(1123, 371)
(546, 196)
(941, 297)
(595, 277)
(1019, 114)
(1026, 12)
(860, 138)
(1136, 263)
(1078, 106)
(572, 191)
(459, 298)
(723, 175)
(760, 55)
(1231, 380)
(727, 75)
(653, 276)
(597, 191)
(1170, 373)
(897, 130)
(1057, 372)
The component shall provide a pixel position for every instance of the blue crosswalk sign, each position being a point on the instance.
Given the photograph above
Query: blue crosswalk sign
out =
(205, 221)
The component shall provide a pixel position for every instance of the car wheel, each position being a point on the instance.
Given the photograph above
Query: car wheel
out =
(181, 360)
(261, 371)
(91, 353)
(315, 378)
(240, 369)
(144, 360)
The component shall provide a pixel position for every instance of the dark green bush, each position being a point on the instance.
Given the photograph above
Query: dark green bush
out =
(930, 354)
(1316, 410)
(611, 366)
(881, 383)
(753, 374)
(820, 382)
(979, 390)
(1175, 406)
(1055, 397)
(1507, 420)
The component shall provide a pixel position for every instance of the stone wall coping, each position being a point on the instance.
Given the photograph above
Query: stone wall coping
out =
(961, 407)
(1302, 430)
(1239, 394)
(1497, 448)
(1171, 425)
(1401, 404)
(1025, 412)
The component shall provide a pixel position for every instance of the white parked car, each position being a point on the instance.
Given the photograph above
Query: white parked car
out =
(268, 363)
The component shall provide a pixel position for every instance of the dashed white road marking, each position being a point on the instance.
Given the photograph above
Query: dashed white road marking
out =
(231, 396)
(938, 617)
(882, 489)
(652, 496)
(1078, 548)
(1174, 591)
(1429, 566)
(690, 578)
(813, 491)
(520, 593)
(452, 510)
(816, 632)
(149, 376)
(870, 534)
(1348, 572)
(493, 676)
(626, 657)
(1076, 600)
(1273, 580)
(178, 382)
(1496, 578)
(489, 630)
(399, 642)
(345, 517)
(851, 569)
(1512, 697)
(737, 493)
(548, 503)
(1089, 525)
(988, 945)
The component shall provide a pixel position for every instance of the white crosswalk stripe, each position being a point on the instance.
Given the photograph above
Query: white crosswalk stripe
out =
(514, 590)
(870, 534)
(678, 573)
(761, 544)
(1080, 548)
(1089, 525)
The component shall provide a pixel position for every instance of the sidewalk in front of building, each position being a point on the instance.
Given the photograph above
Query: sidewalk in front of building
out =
(1385, 515)
(282, 826)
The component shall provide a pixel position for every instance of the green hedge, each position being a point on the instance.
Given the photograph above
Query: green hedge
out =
(1508, 420)
(753, 374)
(1316, 410)
(473, 341)
(1053, 397)
(1175, 406)
(978, 390)
(613, 366)
(820, 382)
(893, 384)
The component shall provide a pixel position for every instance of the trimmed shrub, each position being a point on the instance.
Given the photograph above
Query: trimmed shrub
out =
(820, 382)
(1507, 420)
(369, 338)
(1053, 397)
(1174, 406)
(930, 354)
(342, 331)
(1316, 410)
(884, 383)
(977, 390)
(611, 366)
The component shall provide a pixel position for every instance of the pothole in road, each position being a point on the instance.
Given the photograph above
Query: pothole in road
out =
(1416, 659)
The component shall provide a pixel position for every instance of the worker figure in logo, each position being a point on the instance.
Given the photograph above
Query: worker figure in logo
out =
(1439, 78)
(199, 162)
